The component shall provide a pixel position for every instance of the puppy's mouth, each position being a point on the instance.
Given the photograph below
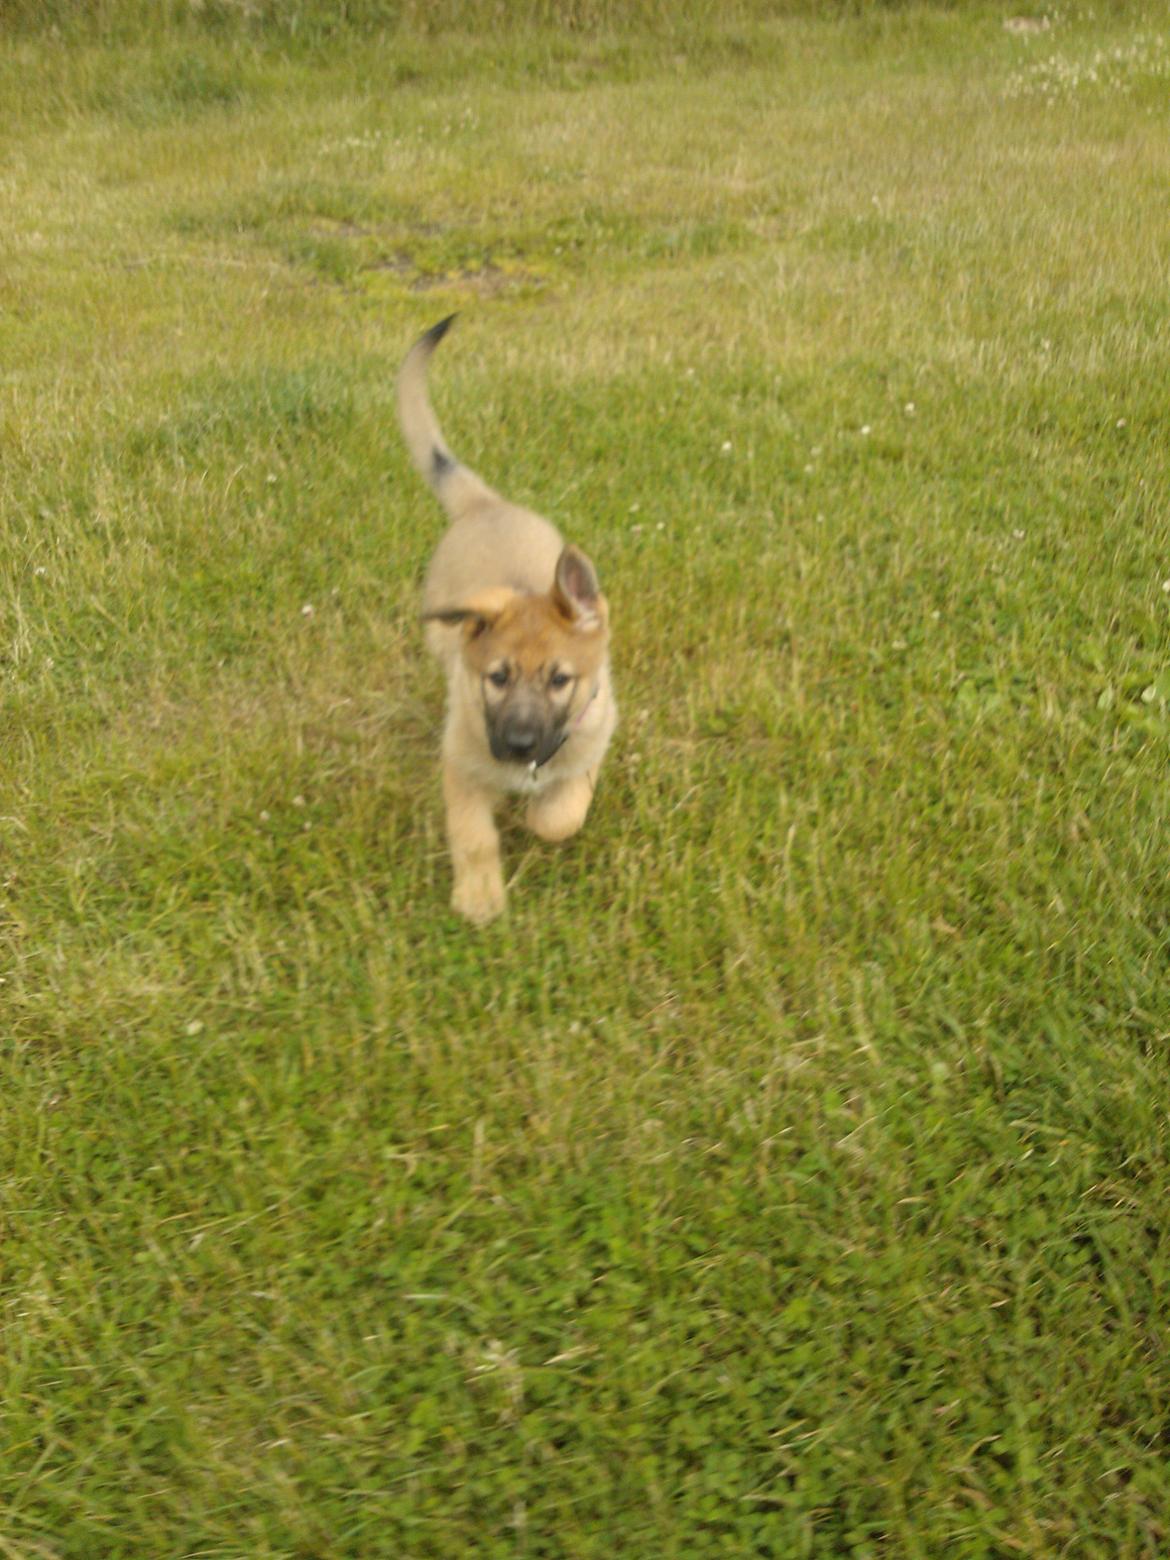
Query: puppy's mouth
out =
(528, 749)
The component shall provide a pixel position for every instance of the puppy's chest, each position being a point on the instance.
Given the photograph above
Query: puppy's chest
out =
(527, 781)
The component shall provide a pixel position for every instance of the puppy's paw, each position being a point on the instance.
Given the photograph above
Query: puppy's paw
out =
(479, 895)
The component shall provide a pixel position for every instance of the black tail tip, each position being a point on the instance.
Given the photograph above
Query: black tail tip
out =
(436, 333)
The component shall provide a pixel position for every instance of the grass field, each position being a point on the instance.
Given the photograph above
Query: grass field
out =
(786, 1174)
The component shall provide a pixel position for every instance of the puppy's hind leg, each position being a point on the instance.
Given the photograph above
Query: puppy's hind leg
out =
(478, 893)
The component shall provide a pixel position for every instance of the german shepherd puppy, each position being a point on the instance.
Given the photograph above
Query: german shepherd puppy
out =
(517, 619)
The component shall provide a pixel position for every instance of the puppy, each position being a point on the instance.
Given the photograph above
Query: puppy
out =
(517, 619)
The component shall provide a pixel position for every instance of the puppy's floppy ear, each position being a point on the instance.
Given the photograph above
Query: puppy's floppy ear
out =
(473, 623)
(576, 592)
(476, 615)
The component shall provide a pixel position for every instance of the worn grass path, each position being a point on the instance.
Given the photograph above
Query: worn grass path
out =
(787, 1174)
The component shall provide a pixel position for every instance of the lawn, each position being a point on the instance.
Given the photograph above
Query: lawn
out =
(786, 1174)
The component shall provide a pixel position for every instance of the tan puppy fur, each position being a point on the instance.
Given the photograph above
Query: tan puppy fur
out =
(519, 624)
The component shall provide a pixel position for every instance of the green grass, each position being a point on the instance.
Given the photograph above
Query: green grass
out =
(786, 1175)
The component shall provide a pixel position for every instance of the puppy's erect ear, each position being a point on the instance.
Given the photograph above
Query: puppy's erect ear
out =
(576, 591)
(476, 615)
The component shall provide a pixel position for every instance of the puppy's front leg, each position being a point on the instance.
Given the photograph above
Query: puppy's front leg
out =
(475, 848)
(560, 812)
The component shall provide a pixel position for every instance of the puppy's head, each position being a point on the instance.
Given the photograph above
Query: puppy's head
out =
(532, 661)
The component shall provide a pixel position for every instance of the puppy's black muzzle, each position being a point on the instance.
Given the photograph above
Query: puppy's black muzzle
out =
(518, 739)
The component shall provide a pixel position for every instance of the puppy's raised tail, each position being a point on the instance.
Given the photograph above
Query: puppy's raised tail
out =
(455, 485)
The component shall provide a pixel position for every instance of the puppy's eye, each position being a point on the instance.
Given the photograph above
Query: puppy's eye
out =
(498, 677)
(560, 680)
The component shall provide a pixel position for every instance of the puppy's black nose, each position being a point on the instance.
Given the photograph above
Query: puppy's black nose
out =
(520, 738)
